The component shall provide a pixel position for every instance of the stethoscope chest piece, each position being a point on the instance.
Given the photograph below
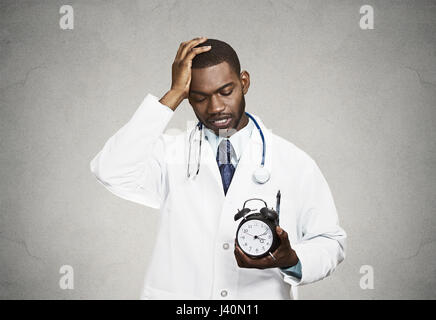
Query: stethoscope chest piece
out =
(261, 175)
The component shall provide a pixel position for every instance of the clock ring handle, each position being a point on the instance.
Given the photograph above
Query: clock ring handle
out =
(254, 199)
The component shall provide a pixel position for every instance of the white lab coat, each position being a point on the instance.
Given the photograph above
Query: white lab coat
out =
(193, 256)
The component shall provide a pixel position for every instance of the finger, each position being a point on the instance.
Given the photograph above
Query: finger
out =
(238, 256)
(272, 263)
(282, 253)
(285, 245)
(258, 263)
(179, 51)
(246, 261)
(266, 262)
(195, 51)
(189, 45)
(283, 235)
(182, 47)
(236, 251)
(276, 252)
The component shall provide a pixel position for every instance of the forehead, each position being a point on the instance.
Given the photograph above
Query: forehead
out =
(210, 78)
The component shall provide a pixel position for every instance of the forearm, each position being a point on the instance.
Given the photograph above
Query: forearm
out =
(172, 99)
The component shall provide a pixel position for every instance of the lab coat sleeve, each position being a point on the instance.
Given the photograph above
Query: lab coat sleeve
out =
(321, 246)
(131, 163)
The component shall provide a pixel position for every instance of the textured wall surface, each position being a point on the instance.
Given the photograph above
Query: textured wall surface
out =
(362, 103)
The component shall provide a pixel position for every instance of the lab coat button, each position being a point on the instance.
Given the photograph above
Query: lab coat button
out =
(224, 293)
(226, 246)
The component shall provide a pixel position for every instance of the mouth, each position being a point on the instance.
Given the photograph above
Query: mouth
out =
(221, 123)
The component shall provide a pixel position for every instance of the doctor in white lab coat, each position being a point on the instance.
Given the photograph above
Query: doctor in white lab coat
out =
(195, 256)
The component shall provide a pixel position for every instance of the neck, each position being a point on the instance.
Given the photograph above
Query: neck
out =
(243, 122)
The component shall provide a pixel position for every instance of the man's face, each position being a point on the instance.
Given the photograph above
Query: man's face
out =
(217, 93)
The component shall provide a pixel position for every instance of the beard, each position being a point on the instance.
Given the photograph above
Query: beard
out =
(233, 126)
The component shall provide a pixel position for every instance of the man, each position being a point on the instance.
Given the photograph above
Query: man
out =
(193, 257)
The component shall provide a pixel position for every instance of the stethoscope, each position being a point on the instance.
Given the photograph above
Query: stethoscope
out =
(260, 175)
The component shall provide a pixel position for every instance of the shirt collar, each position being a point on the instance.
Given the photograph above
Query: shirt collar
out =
(238, 140)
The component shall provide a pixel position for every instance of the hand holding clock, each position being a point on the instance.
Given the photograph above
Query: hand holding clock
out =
(284, 254)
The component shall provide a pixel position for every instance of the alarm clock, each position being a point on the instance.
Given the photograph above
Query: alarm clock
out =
(256, 234)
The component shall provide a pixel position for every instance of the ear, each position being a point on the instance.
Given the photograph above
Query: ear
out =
(244, 77)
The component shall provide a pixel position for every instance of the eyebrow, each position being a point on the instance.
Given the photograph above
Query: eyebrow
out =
(220, 88)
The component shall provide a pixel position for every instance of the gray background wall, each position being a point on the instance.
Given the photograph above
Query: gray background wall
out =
(360, 102)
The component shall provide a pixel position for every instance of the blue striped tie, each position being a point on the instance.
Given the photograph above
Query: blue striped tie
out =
(226, 167)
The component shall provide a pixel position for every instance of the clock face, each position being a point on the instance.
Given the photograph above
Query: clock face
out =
(255, 237)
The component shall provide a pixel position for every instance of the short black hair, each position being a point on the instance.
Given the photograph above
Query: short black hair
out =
(219, 52)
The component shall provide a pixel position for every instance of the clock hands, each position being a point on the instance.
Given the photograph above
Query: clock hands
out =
(263, 233)
(257, 237)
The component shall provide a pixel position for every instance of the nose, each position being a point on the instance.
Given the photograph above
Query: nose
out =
(215, 105)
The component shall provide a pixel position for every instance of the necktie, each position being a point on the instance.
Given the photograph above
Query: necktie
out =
(226, 167)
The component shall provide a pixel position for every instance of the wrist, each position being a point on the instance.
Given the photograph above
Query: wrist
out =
(172, 99)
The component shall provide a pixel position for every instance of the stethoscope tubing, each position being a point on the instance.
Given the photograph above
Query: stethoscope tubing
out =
(262, 136)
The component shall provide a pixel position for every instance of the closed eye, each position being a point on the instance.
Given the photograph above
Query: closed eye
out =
(222, 93)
